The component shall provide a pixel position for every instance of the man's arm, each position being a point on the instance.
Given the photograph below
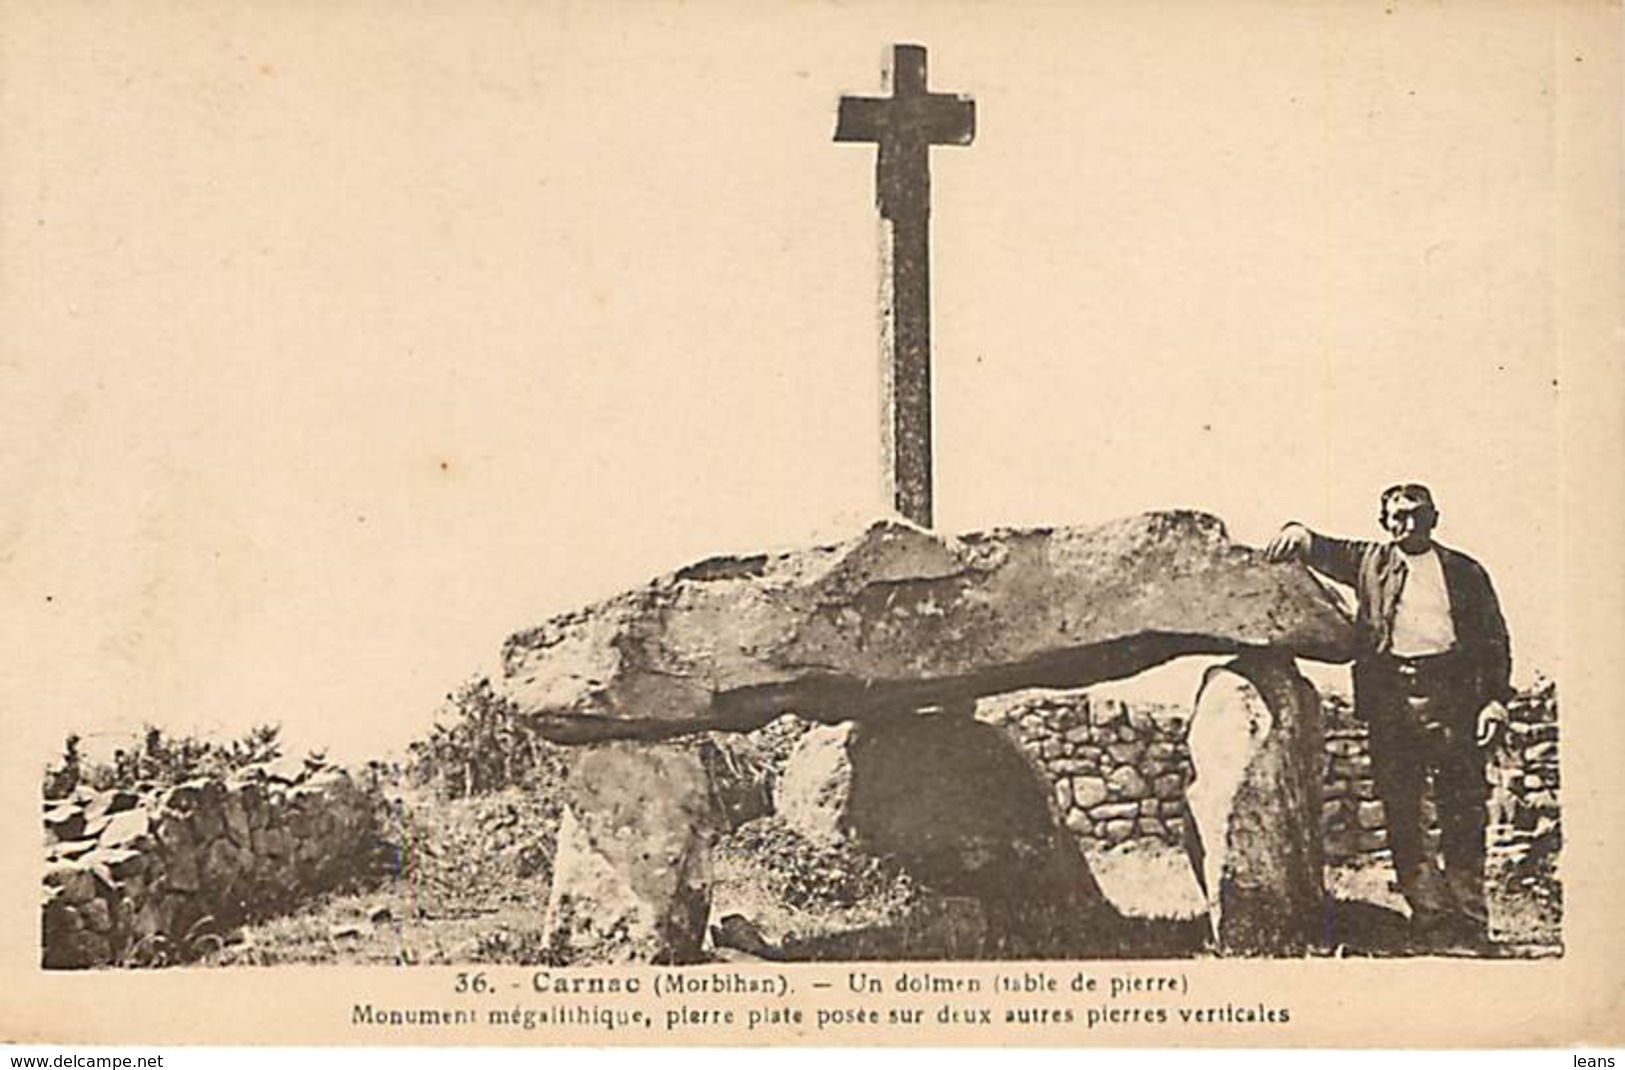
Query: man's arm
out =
(1489, 628)
(1337, 559)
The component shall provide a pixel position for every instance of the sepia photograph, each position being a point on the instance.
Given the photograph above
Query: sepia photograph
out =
(697, 523)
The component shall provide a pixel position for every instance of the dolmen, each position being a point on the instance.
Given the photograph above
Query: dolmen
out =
(892, 636)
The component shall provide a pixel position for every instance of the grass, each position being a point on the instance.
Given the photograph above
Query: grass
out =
(469, 885)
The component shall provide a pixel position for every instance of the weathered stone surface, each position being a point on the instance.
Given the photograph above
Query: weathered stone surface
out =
(181, 871)
(1126, 782)
(156, 861)
(812, 793)
(77, 883)
(1170, 787)
(235, 815)
(1254, 805)
(899, 618)
(126, 827)
(1369, 815)
(1088, 791)
(631, 880)
(956, 804)
(65, 822)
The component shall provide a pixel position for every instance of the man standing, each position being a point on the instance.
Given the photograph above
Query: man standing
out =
(1432, 676)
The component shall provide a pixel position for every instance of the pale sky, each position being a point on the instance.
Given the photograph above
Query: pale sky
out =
(357, 337)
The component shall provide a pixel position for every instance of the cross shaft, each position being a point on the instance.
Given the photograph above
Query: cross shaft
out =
(904, 126)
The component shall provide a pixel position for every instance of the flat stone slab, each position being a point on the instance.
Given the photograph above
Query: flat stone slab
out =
(900, 618)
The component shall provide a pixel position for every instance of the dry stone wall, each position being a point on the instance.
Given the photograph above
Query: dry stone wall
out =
(1523, 779)
(157, 876)
(1119, 771)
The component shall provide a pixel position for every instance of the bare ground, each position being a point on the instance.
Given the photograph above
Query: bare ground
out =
(468, 884)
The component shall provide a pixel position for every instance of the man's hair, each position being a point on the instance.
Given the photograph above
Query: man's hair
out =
(1416, 492)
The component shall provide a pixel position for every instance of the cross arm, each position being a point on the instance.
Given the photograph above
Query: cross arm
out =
(950, 119)
(862, 118)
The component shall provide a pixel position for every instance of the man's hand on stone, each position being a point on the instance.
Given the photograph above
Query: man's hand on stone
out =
(1291, 543)
(1492, 724)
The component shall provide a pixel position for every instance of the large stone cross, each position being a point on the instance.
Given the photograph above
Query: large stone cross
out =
(906, 125)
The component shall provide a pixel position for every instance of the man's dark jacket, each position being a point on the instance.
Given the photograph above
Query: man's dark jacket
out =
(1376, 572)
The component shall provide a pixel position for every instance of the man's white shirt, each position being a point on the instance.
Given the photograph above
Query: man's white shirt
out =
(1422, 618)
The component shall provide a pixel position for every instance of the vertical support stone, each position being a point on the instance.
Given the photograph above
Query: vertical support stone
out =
(1254, 834)
(957, 804)
(632, 875)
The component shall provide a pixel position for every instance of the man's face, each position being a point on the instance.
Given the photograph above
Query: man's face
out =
(1409, 522)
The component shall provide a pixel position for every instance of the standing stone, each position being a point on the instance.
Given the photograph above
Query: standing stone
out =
(812, 793)
(631, 881)
(1254, 805)
(959, 807)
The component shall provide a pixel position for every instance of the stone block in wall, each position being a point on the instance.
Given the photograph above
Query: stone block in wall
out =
(1140, 720)
(1149, 807)
(97, 917)
(1539, 742)
(1170, 787)
(189, 795)
(1344, 746)
(126, 827)
(64, 822)
(1125, 782)
(1063, 795)
(1369, 815)
(218, 862)
(1352, 767)
(74, 883)
(1106, 711)
(106, 803)
(1070, 767)
(1540, 800)
(1367, 840)
(207, 822)
(121, 863)
(1089, 791)
(1114, 811)
(1079, 822)
(1126, 753)
(1119, 830)
(1163, 751)
(1080, 734)
(181, 871)
(235, 817)
(1149, 826)
(174, 833)
(1126, 733)
(274, 842)
(1172, 808)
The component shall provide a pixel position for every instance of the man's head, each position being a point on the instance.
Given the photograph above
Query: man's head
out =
(1409, 516)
